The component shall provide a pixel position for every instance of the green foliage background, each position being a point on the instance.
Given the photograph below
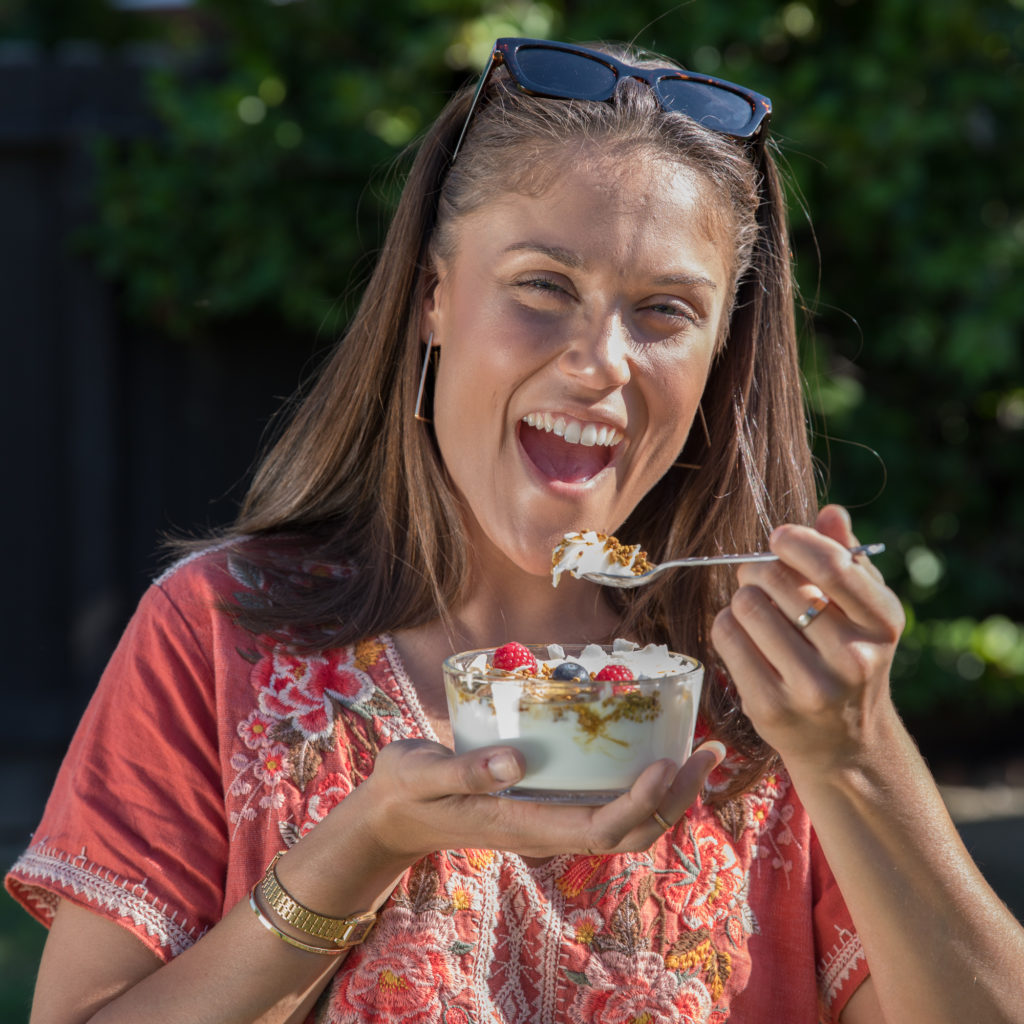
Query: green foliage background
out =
(900, 124)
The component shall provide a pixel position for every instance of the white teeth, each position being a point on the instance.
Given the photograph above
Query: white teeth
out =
(588, 434)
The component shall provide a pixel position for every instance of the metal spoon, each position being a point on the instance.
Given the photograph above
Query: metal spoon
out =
(607, 579)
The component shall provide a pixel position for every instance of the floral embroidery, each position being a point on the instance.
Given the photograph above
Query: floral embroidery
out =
(255, 730)
(579, 873)
(295, 724)
(267, 765)
(638, 988)
(270, 765)
(330, 791)
(409, 969)
(582, 925)
(409, 977)
(478, 859)
(612, 965)
(306, 692)
(762, 818)
(711, 883)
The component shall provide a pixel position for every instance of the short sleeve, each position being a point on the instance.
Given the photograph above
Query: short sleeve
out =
(135, 826)
(840, 961)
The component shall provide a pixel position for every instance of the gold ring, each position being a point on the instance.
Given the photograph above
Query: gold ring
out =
(813, 610)
(665, 826)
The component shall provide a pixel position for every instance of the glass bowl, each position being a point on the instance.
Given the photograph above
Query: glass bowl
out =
(584, 742)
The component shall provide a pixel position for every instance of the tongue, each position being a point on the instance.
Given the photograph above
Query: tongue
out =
(559, 460)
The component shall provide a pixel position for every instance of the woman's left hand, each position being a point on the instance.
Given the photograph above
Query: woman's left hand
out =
(814, 692)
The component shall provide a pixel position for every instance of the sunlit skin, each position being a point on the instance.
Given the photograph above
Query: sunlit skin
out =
(599, 301)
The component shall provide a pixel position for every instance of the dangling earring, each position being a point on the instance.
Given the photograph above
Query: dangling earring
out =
(704, 424)
(416, 415)
(707, 438)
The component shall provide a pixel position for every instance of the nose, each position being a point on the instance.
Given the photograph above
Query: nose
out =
(597, 355)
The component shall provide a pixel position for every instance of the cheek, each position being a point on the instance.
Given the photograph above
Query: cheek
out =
(674, 395)
(468, 413)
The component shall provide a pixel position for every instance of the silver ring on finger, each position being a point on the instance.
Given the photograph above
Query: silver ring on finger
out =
(811, 612)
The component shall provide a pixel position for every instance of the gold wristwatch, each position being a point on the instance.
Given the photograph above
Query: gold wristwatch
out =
(342, 931)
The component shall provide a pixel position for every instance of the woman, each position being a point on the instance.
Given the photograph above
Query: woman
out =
(585, 265)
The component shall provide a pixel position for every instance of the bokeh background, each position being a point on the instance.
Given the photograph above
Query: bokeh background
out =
(192, 193)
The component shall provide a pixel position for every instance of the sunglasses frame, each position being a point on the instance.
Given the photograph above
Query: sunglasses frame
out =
(505, 52)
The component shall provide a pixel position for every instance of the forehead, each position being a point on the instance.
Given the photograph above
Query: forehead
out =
(639, 211)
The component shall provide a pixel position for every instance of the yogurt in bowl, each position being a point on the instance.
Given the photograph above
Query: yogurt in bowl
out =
(587, 719)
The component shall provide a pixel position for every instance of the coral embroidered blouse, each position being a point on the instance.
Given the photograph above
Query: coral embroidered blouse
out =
(205, 750)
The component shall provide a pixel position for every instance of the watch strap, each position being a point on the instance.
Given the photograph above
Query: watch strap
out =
(342, 931)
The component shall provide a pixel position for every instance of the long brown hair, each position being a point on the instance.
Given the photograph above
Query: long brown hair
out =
(355, 480)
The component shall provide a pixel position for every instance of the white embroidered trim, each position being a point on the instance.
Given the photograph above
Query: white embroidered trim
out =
(407, 688)
(104, 888)
(182, 562)
(836, 966)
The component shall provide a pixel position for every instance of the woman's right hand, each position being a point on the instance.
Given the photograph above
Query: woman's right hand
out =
(422, 797)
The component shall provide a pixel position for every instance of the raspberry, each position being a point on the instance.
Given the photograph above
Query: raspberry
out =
(614, 674)
(511, 656)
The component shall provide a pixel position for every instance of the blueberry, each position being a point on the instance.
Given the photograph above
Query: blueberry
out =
(571, 670)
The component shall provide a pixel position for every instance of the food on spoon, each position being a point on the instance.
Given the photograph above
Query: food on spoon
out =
(590, 551)
(588, 719)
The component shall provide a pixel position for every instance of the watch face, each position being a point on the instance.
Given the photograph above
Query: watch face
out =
(358, 929)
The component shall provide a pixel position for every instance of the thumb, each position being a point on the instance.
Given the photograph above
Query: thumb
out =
(485, 770)
(834, 522)
(429, 771)
(690, 779)
(711, 754)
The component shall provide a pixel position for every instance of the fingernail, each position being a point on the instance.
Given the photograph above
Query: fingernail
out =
(503, 767)
(713, 747)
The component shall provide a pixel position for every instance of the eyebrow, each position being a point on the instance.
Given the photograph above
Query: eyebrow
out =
(564, 256)
(687, 280)
(570, 259)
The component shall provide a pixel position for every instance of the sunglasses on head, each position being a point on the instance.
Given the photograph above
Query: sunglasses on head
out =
(564, 71)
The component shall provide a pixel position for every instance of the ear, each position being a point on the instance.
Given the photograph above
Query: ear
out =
(431, 311)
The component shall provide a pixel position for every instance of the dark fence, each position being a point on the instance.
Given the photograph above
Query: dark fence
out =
(111, 434)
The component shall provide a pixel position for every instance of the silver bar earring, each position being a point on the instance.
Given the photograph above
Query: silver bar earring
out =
(707, 437)
(423, 380)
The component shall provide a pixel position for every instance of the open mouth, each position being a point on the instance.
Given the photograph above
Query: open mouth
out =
(566, 449)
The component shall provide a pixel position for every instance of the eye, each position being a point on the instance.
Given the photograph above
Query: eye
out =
(541, 285)
(674, 310)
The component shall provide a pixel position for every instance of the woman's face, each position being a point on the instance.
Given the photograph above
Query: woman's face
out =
(576, 330)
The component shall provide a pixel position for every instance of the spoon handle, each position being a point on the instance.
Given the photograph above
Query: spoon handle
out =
(606, 579)
(756, 556)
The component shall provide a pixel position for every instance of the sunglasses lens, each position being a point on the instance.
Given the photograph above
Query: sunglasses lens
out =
(710, 105)
(564, 74)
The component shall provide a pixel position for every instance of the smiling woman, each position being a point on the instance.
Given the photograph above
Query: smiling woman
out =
(570, 288)
(261, 818)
